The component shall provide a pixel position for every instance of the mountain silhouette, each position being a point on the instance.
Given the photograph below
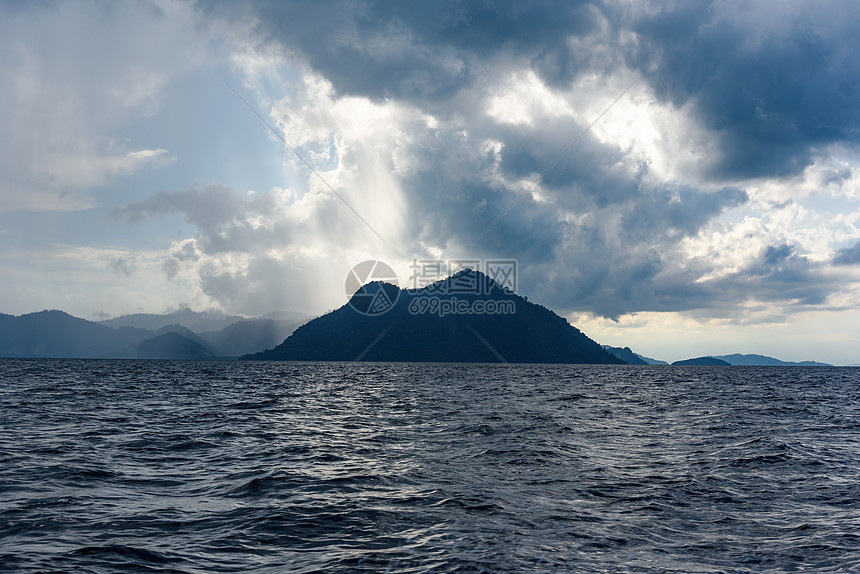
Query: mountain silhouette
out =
(168, 345)
(626, 355)
(191, 335)
(60, 335)
(384, 323)
(703, 362)
(56, 334)
(765, 361)
(196, 321)
(250, 336)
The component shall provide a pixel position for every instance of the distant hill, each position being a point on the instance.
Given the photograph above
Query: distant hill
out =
(169, 345)
(57, 334)
(198, 322)
(292, 316)
(651, 361)
(764, 361)
(625, 354)
(250, 336)
(531, 334)
(704, 361)
(191, 335)
(631, 358)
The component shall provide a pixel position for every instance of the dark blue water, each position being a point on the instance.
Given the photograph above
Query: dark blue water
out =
(159, 466)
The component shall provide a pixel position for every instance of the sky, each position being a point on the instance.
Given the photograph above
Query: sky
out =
(708, 201)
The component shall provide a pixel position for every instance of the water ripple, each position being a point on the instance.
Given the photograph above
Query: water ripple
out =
(168, 466)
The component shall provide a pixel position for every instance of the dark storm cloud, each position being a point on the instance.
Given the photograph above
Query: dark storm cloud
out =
(787, 273)
(422, 51)
(593, 170)
(848, 256)
(671, 213)
(599, 228)
(778, 274)
(598, 232)
(771, 86)
(616, 268)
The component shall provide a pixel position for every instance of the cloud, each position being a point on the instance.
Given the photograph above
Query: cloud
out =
(431, 121)
(724, 180)
(170, 268)
(252, 254)
(848, 255)
(65, 98)
(121, 265)
(771, 82)
(215, 210)
(417, 52)
(780, 273)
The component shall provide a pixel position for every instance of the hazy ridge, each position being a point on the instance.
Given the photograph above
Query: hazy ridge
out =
(539, 335)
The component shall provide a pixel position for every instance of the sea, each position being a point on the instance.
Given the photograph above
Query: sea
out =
(229, 466)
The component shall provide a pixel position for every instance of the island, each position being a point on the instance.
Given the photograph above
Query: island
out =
(466, 317)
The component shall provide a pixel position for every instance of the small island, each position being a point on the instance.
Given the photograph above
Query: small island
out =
(703, 362)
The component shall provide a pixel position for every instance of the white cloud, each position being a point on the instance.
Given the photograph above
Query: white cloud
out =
(523, 97)
(818, 335)
(67, 277)
(690, 197)
(834, 172)
(411, 179)
(73, 73)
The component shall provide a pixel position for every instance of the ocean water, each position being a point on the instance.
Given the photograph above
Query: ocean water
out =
(161, 466)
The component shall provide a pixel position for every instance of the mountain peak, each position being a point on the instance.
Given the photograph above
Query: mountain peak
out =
(467, 317)
(464, 281)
